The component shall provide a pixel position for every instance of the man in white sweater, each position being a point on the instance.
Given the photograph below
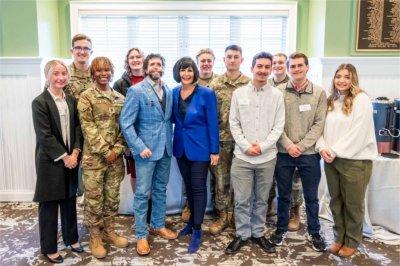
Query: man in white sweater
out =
(257, 118)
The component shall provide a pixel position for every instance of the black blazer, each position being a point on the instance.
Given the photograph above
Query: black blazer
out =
(54, 180)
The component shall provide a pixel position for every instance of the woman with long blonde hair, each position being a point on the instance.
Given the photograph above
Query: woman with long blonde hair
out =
(348, 147)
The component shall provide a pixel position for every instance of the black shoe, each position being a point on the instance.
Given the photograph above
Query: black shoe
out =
(235, 245)
(318, 242)
(277, 237)
(78, 249)
(263, 243)
(59, 259)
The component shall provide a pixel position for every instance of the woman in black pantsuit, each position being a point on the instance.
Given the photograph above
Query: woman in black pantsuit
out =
(58, 144)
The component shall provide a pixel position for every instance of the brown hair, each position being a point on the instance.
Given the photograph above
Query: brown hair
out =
(126, 66)
(99, 63)
(48, 69)
(79, 37)
(353, 91)
(281, 54)
(296, 55)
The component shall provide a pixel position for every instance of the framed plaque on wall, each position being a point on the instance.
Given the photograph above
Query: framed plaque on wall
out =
(378, 25)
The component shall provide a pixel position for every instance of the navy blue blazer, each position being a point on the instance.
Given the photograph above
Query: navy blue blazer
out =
(197, 136)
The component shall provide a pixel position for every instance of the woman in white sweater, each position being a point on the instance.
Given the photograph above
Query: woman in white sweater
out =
(348, 146)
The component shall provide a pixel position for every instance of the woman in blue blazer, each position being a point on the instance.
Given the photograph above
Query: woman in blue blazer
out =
(196, 142)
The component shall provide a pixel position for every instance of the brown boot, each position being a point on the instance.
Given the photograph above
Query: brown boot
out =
(96, 244)
(164, 233)
(335, 247)
(220, 224)
(142, 247)
(294, 221)
(185, 214)
(231, 220)
(110, 236)
(346, 252)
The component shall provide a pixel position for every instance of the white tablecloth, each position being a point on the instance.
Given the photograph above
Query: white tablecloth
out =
(175, 197)
(382, 201)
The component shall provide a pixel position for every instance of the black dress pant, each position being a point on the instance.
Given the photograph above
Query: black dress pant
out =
(194, 175)
(48, 224)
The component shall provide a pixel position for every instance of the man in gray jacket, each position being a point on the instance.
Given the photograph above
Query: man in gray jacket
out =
(305, 111)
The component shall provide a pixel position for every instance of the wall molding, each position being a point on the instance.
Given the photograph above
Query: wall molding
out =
(378, 76)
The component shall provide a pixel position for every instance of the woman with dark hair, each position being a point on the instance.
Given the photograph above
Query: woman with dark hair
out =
(348, 146)
(196, 142)
(103, 168)
(58, 144)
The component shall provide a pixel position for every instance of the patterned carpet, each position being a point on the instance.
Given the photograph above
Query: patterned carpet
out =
(19, 245)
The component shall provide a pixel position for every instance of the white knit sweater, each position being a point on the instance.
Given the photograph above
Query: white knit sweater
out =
(350, 136)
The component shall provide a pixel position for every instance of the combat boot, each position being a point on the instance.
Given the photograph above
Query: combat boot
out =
(231, 220)
(185, 214)
(110, 236)
(96, 244)
(294, 220)
(220, 224)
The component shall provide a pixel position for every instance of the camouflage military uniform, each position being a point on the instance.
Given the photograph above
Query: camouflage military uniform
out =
(79, 82)
(224, 88)
(297, 193)
(99, 114)
(206, 82)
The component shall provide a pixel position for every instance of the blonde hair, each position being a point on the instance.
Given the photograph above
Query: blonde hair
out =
(205, 51)
(353, 91)
(48, 69)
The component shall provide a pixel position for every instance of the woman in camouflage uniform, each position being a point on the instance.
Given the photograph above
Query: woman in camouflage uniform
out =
(103, 168)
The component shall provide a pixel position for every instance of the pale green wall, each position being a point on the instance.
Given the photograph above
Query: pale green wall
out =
(48, 28)
(18, 28)
(42, 28)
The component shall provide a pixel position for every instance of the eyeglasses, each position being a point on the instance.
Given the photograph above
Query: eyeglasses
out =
(80, 49)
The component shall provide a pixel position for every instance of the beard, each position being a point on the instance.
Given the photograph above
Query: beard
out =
(155, 75)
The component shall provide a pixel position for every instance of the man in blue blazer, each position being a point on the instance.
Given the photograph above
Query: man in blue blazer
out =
(146, 125)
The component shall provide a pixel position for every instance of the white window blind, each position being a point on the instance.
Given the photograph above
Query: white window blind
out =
(177, 36)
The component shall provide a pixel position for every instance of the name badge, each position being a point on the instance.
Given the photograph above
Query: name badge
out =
(244, 102)
(305, 107)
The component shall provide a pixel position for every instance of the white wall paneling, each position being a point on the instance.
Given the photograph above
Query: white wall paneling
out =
(20, 83)
(378, 76)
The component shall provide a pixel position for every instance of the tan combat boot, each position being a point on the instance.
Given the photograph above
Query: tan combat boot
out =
(294, 220)
(220, 224)
(185, 214)
(110, 236)
(96, 244)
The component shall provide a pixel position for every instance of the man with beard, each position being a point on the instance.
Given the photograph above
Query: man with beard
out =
(146, 124)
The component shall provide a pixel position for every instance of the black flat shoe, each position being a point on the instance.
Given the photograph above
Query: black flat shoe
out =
(78, 249)
(235, 245)
(264, 244)
(59, 259)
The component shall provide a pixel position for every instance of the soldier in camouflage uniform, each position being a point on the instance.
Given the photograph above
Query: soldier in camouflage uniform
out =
(80, 80)
(280, 76)
(205, 62)
(224, 86)
(103, 168)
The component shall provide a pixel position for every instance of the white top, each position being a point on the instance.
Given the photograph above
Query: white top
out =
(257, 116)
(63, 112)
(350, 136)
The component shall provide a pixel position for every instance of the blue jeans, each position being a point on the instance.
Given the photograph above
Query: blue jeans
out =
(309, 169)
(151, 176)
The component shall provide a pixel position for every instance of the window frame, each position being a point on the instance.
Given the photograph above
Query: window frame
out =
(274, 8)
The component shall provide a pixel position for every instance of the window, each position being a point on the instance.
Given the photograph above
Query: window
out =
(182, 29)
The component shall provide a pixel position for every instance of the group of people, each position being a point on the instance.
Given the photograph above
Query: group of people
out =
(249, 132)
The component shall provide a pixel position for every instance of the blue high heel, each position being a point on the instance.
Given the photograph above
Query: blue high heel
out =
(187, 230)
(195, 241)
